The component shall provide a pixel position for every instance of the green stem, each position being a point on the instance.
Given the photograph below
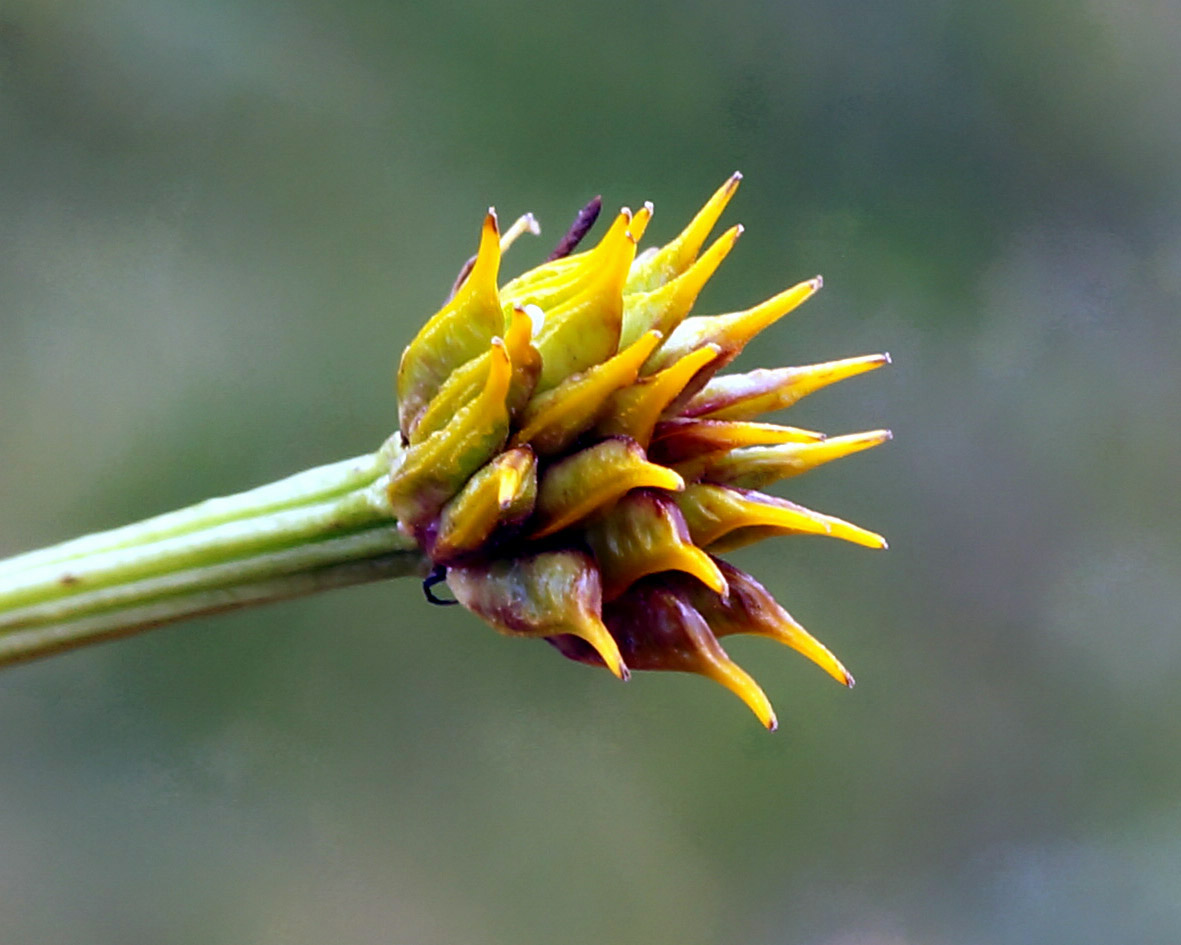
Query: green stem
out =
(323, 528)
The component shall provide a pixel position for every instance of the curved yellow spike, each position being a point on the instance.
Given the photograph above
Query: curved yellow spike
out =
(731, 332)
(743, 396)
(541, 595)
(429, 473)
(458, 332)
(712, 511)
(657, 629)
(635, 410)
(641, 220)
(557, 280)
(674, 258)
(518, 342)
(750, 609)
(721, 669)
(665, 308)
(553, 420)
(584, 330)
(596, 634)
(502, 492)
(722, 518)
(594, 478)
(644, 533)
(837, 528)
(718, 515)
(755, 467)
(681, 439)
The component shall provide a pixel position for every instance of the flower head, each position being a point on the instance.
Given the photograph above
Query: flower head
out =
(574, 462)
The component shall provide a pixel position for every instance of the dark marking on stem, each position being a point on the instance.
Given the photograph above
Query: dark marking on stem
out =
(437, 576)
(583, 221)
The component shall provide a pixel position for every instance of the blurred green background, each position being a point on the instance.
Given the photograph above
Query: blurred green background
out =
(221, 221)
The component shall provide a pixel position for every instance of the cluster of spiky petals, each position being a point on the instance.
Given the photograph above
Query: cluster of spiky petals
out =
(573, 461)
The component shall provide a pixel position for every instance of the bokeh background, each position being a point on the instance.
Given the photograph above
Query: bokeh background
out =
(221, 221)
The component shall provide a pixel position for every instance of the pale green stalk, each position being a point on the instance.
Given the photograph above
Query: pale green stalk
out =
(327, 527)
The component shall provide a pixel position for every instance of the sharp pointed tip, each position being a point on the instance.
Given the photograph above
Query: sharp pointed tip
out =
(886, 359)
(817, 283)
(887, 435)
(850, 682)
(771, 723)
(736, 177)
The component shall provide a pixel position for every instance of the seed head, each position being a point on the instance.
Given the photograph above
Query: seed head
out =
(574, 463)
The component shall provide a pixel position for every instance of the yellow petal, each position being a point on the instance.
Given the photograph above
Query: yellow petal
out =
(553, 420)
(755, 467)
(635, 410)
(666, 307)
(731, 332)
(429, 473)
(743, 396)
(592, 479)
(542, 595)
(655, 269)
(458, 332)
(644, 533)
(502, 492)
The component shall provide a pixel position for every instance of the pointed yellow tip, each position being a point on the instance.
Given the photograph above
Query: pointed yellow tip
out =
(697, 275)
(596, 634)
(661, 477)
(708, 573)
(790, 633)
(754, 320)
(693, 561)
(740, 682)
(839, 528)
(640, 221)
(487, 263)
